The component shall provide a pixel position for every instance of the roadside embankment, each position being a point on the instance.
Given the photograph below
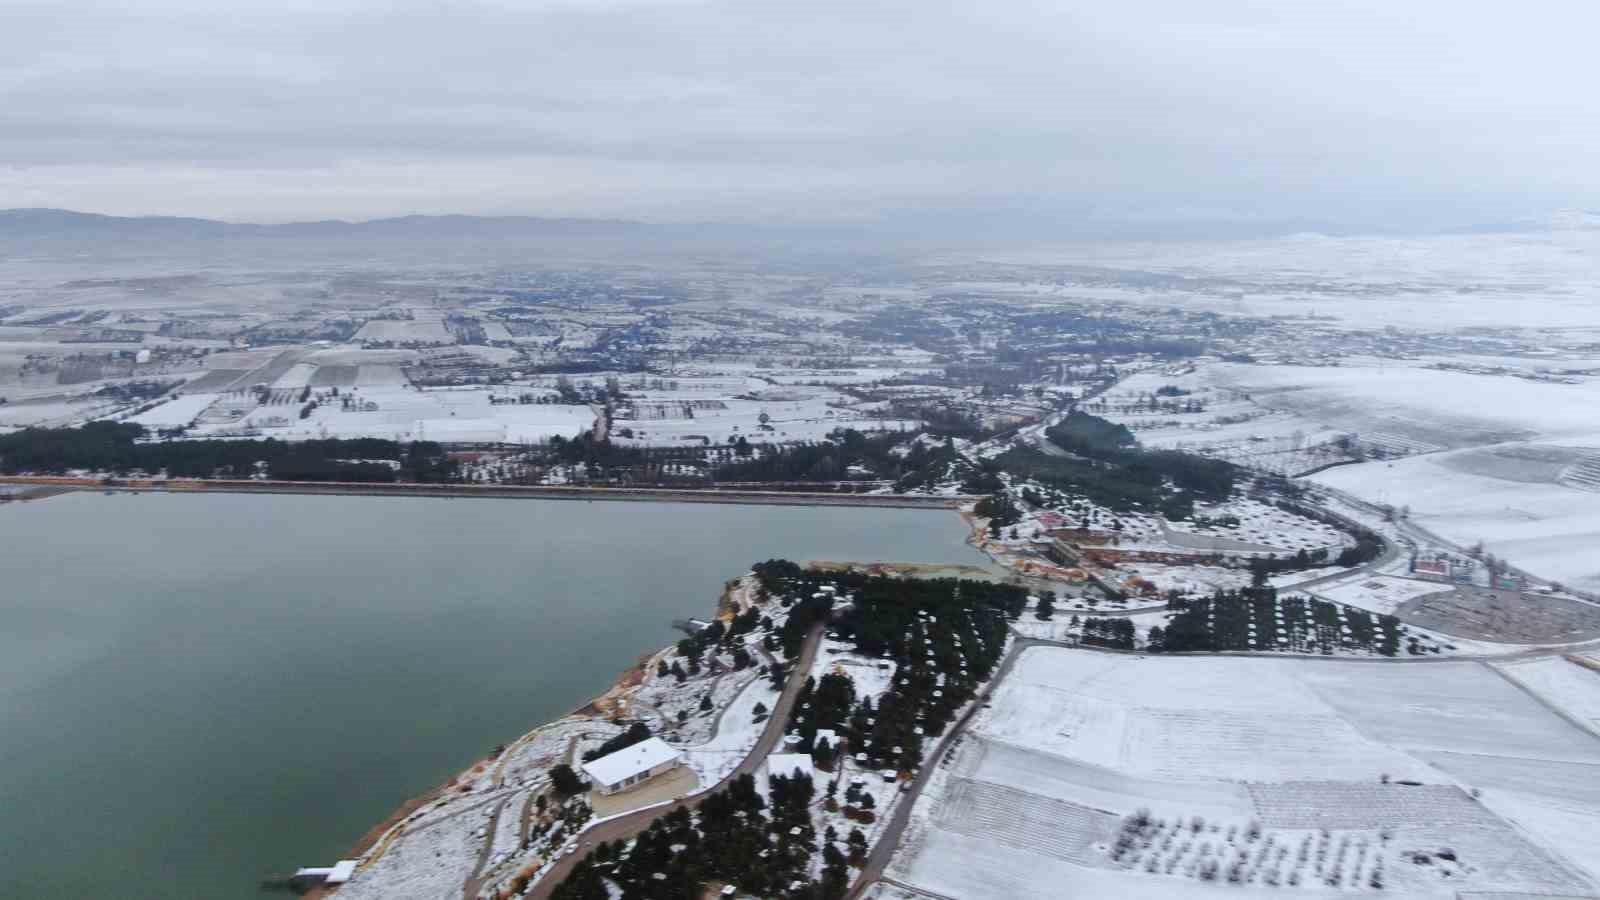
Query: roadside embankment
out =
(540, 492)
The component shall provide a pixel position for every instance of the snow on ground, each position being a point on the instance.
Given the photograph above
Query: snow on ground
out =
(406, 414)
(1521, 280)
(1385, 755)
(1569, 687)
(298, 376)
(709, 410)
(1448, 408)
(737, 733)
(1460, 707)
(1377, 593)
(54, 413)
(175, 413)
(1067, 626)
(1548, 529)
(427, 329)
(433, 860)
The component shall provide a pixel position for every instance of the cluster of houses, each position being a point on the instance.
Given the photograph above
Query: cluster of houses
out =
(1464, 570)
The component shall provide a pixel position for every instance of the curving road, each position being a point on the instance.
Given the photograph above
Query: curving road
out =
(630, 824)
(889, 839)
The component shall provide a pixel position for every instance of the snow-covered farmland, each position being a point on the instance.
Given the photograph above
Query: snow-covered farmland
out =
(1214, 772)
(1571, 687)
(1377, 593)
(406, 414)
(1547, 528)
(720, 411)
(175, 413)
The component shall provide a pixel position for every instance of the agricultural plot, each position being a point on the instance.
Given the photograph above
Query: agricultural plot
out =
(1423, 407)
(338, 376)
(1545, 527)
(1487, 614)
(1263, 620)
(175, 413)
(404, 414)
(1040, 825)
(1457, 707)
(697, 413)
(1569, 687)
(216, 381)
(1377, 593)
(1178, 408)
(1256, 776)
(404, 331)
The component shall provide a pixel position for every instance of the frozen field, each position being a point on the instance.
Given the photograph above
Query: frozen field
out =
(1536, 280)
(405, 414)
(1504, 460)
(1546, 528)
(1378, 593)
(1572, 688)
(175, 413)
(720, 411)
(1362, 766)
(1450, 409)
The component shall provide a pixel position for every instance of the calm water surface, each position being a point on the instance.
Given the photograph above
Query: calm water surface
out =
(198, 692)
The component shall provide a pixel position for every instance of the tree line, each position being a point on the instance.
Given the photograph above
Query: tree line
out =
(1109, 470)
(116, 448)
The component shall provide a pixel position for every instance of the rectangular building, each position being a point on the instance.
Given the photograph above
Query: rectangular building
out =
(631, 765)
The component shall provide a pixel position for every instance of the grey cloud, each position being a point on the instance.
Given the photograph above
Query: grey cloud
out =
(826, 110)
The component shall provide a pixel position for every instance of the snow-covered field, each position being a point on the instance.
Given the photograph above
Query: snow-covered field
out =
(1568, 686)
(407, 414)
(1450, 409)
(175, 413)
(1377, 593)
(1546, 528)
(1509, 461)
(720, 411)
(1517, 281)
(737, 732)
(1380, 761)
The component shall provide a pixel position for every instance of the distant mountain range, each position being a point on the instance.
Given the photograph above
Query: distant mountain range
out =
(19, 226)
(1560, 220)
(46, 224)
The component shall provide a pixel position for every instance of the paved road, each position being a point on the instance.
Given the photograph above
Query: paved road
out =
(626, 826)
(889, 839)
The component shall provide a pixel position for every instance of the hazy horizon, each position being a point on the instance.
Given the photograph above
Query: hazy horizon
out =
(1149, 117)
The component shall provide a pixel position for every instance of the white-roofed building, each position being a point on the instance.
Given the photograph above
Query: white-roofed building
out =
(790, 764)
(338, 873)
(632, 765)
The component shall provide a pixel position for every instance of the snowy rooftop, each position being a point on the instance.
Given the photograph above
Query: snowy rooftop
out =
(630, 761)
(787, 764)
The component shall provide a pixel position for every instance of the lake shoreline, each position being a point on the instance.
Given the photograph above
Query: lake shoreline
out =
(606, 705)
(498, 617)
(499, 491)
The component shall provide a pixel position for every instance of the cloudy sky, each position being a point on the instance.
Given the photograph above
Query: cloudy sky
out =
(1160, 111)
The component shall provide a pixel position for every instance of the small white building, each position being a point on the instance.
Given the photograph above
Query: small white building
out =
(789, 765)
(632, 765)
(338, 873)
